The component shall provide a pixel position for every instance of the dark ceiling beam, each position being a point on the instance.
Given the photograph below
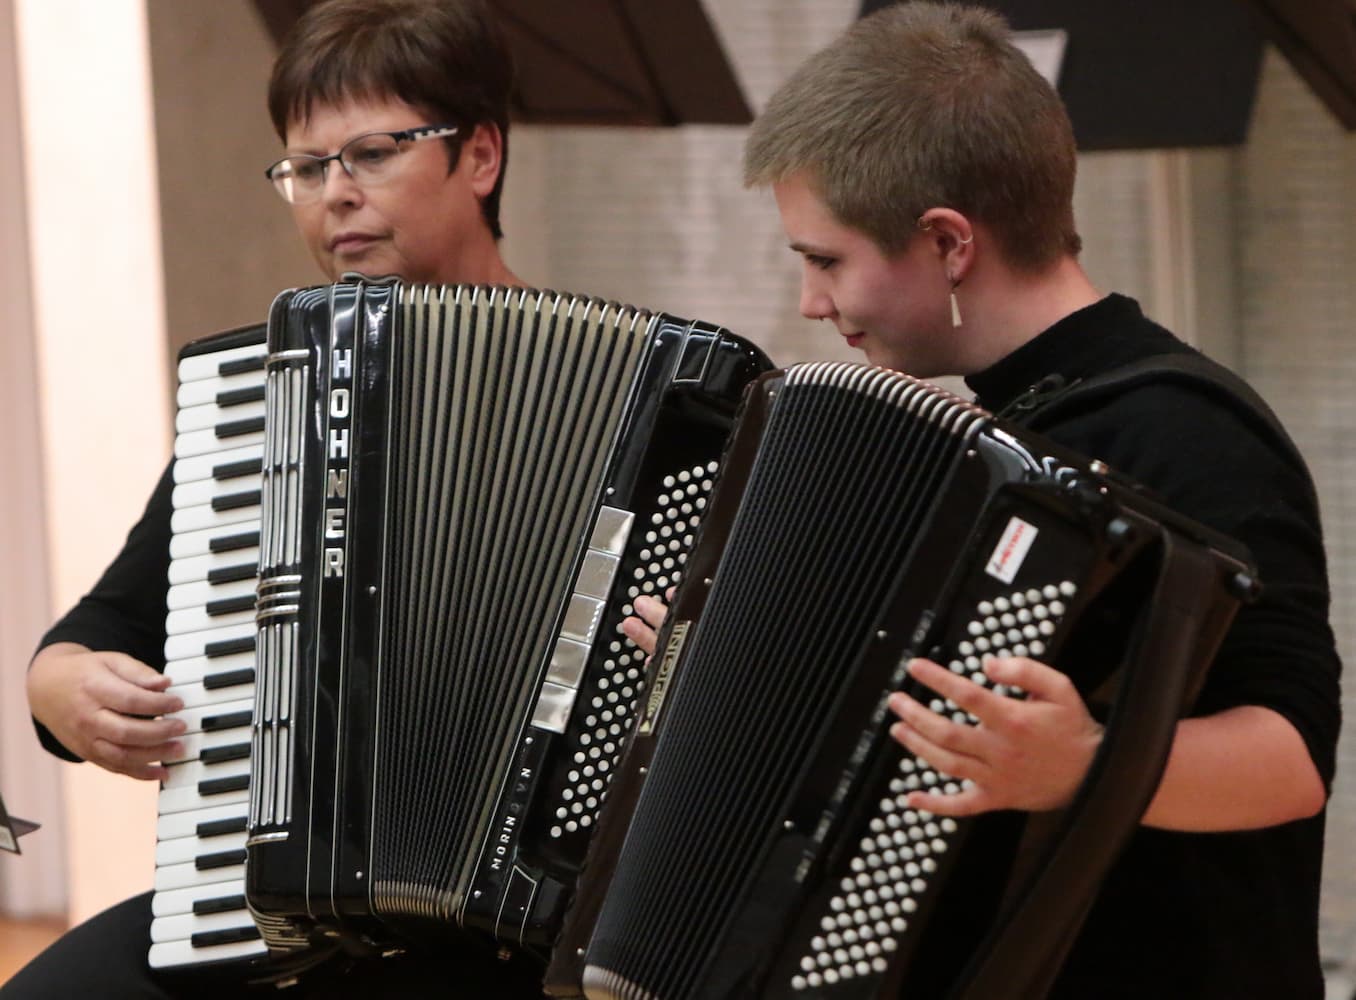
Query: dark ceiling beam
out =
(1146, 74)
(1142, 74)
(602, 62)
(1318, 37)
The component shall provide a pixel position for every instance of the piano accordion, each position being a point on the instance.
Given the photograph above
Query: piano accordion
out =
(758, 842)
(460, 490)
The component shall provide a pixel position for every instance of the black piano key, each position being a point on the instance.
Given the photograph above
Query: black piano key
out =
(218, 755)
(205, 939)
(234, 397)
(228, 646)
(222, 904)
(230, 605)
(220, 786)
(221, 859)
(229, 543)
(231, 720)
(234, 501)
(230, 574)
(228, 678)
(235, 428)
(221, 827)
(233, 470)
(241, 365)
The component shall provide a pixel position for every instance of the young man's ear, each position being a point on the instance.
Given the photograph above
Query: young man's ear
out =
(949, 229)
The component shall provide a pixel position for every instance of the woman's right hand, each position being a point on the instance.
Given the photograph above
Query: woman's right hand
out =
(106, 708)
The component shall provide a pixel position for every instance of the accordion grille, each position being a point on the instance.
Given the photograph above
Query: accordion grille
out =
(852, 462)
(272, 742)
(505, 407)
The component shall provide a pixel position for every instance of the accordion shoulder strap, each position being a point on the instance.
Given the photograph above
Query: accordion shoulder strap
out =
(1190, 369)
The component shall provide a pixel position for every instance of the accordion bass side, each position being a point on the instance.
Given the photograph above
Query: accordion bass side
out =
(863, 518)
(463, 490)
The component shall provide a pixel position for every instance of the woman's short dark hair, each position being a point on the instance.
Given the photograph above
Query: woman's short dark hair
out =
(448, 58)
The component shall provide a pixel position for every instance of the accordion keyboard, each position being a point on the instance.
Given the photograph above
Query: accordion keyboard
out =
(199, 903)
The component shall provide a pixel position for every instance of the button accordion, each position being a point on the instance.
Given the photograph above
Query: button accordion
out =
(758, 841)
(406, 531)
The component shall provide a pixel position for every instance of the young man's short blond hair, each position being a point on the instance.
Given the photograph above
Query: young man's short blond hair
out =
(925, 105)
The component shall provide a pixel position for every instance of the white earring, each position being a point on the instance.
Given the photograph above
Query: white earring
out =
(955, 309)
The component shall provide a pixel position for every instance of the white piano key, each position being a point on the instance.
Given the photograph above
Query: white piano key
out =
(201, 593)
(186, 875)
(172, 902)
(173, 852)
(222, 521)
(204, 491)
(197, 619)
(196, 696)
(206, 442)
(199, 543)
(193, 716)
(191, 644)
(184, 824)
(192, 568)
(193, 669)
(188, 470)
(174, 800)
(173, 954)
(182, 927)
(190, 772)
(205, 390)
(207, 415)
(208, 366)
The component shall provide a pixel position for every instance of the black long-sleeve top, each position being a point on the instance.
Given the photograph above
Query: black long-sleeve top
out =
(1204, 915)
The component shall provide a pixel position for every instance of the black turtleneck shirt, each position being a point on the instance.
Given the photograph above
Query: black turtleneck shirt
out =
(1203, 915)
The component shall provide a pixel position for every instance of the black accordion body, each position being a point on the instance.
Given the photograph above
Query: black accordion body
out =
(757, 843)
(462, 489)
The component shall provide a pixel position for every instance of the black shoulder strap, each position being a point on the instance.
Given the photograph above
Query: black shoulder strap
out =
(1194, 370)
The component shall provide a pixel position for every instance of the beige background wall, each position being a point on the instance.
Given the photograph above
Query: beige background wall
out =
(228, 238)
(35, 884)
(1297, 298)
(95, 323)
(1246, 252)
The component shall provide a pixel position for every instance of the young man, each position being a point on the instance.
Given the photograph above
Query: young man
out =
(924, 173)
(394, 116)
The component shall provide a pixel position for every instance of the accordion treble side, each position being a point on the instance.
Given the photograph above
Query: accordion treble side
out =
(463, 490)
(759, 842)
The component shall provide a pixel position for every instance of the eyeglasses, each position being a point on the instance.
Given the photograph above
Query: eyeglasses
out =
(369, 159)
